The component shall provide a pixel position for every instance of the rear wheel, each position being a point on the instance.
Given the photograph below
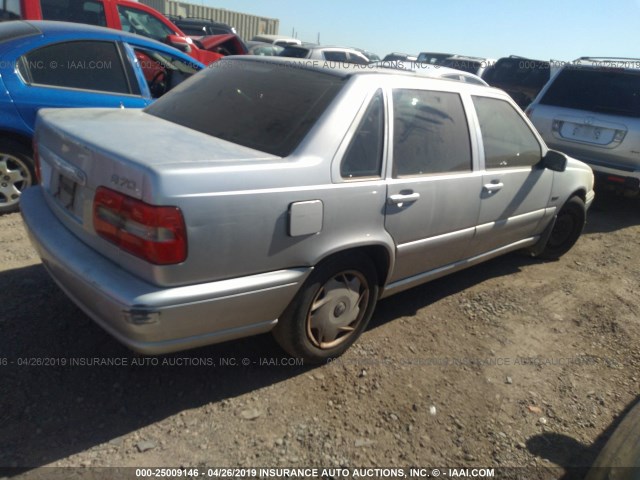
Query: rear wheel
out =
(331, 310)
(16, 174)
(567, 229)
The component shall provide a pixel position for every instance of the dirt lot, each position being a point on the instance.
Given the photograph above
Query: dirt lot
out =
(515, 363)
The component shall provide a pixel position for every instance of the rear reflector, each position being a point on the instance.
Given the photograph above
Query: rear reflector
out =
(155, 234)
(611, 178)
(36, 162)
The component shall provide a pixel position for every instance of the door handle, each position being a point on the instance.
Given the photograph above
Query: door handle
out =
(493, 187)
(399, 199)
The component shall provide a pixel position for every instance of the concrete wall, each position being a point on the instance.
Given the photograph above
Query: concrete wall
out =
(246, 25)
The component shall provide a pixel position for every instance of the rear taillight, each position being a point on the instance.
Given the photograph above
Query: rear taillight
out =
(155, 234)
(36, 162)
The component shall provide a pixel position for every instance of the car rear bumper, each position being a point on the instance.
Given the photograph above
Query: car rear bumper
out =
(614, 177)
(147, 318)
(626, 176)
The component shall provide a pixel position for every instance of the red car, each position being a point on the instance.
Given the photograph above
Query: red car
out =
(124, 15)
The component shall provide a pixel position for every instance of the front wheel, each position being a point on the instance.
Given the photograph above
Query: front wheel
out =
(331, 310)
(16, 174)
(567, 229)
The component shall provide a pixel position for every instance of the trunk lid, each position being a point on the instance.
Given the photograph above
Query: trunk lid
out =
(129, 151)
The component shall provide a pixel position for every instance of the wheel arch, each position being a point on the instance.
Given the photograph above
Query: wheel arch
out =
(20, 138)
(380, 255)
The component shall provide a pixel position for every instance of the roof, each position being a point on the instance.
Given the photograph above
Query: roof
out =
(344, 70)
(604, 62)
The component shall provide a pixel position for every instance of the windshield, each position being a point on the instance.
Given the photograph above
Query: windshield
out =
(264, 106)
(609, 91)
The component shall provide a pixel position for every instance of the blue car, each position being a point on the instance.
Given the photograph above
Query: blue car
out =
(57, 64)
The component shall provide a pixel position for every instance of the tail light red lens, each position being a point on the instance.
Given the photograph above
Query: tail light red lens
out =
(155, 234)
(36, 162)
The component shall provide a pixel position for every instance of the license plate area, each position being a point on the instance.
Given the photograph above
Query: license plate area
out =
(65, 193)
(587, 133)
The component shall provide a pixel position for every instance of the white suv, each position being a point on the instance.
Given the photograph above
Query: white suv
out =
(591, 111)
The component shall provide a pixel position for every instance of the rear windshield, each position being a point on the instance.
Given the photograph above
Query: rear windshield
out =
(294, 52)
(267, 107)
(520, 72)
(609, 91)
(10, 10)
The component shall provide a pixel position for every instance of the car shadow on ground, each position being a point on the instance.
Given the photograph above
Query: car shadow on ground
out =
(51, 409)
(576, 457)
(610, 212)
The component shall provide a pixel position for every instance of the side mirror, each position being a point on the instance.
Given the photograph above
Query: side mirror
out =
(555, 161)
(179, 43)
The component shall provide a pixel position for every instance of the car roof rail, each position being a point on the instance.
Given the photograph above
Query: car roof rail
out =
(203, 19)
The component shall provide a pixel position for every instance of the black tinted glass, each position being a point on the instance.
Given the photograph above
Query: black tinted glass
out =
(82, 65)
(364, 155)
(268, 107)
(83, 11)
(603, 91)
(194, 31)
(294, 52)
(519, 72)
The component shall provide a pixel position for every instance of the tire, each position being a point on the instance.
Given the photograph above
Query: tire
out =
(16, 174)
(566, 230)
(621, 452)
(331, 309)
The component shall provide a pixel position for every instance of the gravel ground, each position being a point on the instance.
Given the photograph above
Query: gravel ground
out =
(514, 363)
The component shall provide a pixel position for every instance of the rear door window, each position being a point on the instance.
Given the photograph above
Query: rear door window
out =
(85, 65)
(83, 11)
(10, 10)
(430, 133)
(508, 140)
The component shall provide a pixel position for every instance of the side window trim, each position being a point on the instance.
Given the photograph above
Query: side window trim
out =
(136, 69)
(129, 74)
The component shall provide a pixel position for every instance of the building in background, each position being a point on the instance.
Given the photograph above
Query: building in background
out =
(246, 25)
